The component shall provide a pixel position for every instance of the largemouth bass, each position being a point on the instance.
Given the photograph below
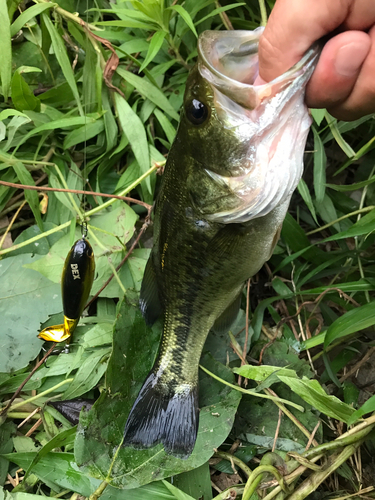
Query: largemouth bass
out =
(231, 171)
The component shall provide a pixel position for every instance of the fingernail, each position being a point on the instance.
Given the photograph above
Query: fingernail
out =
(350, 57)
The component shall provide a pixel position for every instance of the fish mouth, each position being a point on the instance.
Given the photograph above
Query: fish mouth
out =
(229, 61)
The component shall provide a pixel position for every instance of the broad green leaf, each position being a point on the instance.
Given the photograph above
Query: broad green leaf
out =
(39, 298)
(313, 393)
(320, 164)
(62, 439)
(155, 45)
(6, 50)
(129, 23)
(332, 123)
(168, 128)
(149, 91)
(196, 483)
(260, 373)
(57, 124)
(89, 374)
(63, 471)
(306, 196)
(83, 134)
(367, 407)
(178, 494)
(22, 96)
(135, 348)
(27, 15)
(6, 113)
(185, 16)
(31, 196)
(63, 59)
(135, 132)
(318, 115)
(326, 209)
(351, 322)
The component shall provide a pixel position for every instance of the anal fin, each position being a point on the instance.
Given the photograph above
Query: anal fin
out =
(149, 302)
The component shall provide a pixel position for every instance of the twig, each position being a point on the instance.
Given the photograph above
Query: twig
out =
(28, 418)
(11, 223)
(75, 191)
(363, 360)
(244, 352)
(311, 439)
(224, 18)
(277, 430)
(4, 410)
(34, 427)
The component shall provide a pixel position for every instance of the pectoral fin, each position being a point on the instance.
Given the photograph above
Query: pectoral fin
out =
(149, 301)
(228, 317)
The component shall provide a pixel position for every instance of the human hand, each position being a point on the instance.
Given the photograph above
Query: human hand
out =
(344, 79)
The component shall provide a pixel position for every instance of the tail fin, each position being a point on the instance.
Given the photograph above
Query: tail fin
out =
(164, 416)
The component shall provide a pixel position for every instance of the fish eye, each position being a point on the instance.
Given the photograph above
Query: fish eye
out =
(197, 112)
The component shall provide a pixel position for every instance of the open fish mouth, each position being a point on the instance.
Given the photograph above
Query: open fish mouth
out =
(272, 118)
(229, 61)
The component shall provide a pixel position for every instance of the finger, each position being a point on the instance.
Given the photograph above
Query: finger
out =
(291, 29)
(295, 24)
(338, 69)
(361, 100)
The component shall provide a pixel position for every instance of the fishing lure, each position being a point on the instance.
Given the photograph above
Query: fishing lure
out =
(76, 282)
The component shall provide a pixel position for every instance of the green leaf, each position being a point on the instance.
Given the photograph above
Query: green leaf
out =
(31, 196)
(351, 322)
(6, 50)
(155, 45)
(196, 483)
(135, 132)
(62, 439)
(149, 91)
(39, 298)
(318, 115)
(367, 407)
(57, 124)
(135, 348)
(63, 59)
(306, 196)
(218, 11)
(89, 373)
(27, 15)
(312, 392)
(260, 373)
(83, 134)
(63, 471)
(22, 96)
(168, 128)
(185, 16)
(320, 164)
(178, 494)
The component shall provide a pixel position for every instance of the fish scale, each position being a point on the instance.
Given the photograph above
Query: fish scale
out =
(232, 168)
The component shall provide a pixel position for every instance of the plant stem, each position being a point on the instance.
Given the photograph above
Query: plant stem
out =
(226, 494)
(87, 214)
(263, 12)
(356, 212)
(42, 394)
(252, 393)
(235, 460)
(314, 480)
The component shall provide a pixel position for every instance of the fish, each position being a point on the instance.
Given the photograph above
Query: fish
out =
(236, 159)
(76, 282)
